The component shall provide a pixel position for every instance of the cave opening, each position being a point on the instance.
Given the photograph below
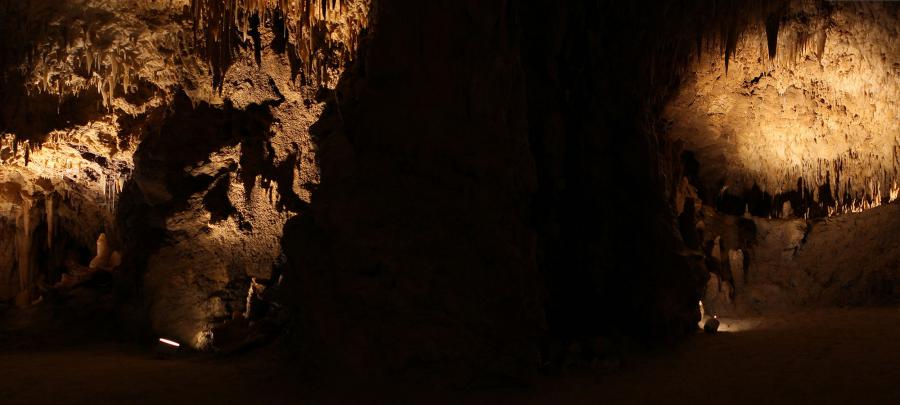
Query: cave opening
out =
(507, 201)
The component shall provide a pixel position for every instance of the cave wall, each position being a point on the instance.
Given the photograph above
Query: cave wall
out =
(417, 250)
(492, 193)
(845, 261)
(475, 189)
(58, 198)
(805, 111)
(212, 188)
(463, 188)
(188, 148)
(9, 285)
(794, 131)
(612, 258)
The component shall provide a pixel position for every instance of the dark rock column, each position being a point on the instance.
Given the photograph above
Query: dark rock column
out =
(418, 250)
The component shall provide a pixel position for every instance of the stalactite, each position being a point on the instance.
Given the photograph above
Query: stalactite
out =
(214, 20)
(851, 182)
(773, 22)
(820, 43)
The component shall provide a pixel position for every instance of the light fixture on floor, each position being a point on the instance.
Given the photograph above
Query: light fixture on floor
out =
(169, 342)
(166, 347)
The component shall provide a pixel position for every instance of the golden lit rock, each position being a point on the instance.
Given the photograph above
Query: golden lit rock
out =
(824, 109)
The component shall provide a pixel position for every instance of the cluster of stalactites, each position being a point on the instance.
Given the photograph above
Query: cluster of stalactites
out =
(105, 70)
(112, 187)
(720, 26)
(321, 32)
(798, 32)
(15, 151)
(797, 26)
(77, 49)
(848, 184)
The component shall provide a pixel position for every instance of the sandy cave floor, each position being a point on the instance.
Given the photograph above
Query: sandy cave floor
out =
(823, 356)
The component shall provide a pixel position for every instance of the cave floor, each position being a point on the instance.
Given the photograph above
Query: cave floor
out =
(823, 356)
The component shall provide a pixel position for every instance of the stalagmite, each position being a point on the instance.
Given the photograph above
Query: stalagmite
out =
(736, 263)
(24, 252)
(717, 248)
(102, 259)
(115, 259)
(48, 204)
(895, 192)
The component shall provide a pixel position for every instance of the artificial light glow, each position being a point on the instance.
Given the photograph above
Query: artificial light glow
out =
(169, 342)
(730, 325)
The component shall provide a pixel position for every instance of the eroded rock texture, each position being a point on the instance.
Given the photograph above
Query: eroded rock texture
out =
(850, 260)
(477, 190)
(131, 118)
(465, 187)
(814, 112)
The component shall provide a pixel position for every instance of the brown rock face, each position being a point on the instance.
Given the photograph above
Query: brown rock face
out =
(822, 110)
(209, 159)
(464, 187)
(468, 188)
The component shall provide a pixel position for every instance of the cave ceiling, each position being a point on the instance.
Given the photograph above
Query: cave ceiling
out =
(821, 106)
(80, 76)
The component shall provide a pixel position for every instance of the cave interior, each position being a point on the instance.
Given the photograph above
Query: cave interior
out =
(511, 201)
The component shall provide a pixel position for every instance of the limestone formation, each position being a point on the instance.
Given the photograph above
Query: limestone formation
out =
(822, 109)
(475, 188)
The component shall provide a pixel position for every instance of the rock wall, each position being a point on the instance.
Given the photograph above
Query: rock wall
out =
(805, 108)
(417, 251)
(464, 188)
(608, 246)
(212, 189)
(59, 196)
(849, 260)
(490, 194)
(476, 191)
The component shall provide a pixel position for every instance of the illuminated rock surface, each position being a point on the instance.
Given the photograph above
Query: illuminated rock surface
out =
(824, 109)
(476, 191)
(137, 108)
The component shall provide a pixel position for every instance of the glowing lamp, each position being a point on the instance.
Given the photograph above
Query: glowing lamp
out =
(169, 342)
(166, 348)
